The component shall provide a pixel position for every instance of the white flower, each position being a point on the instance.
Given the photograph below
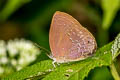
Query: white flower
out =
(12, 48)
(21, 61)
(26, 51)
(13, 62)
(18, 53)
(3, 60)
(2, 48)
(18, 68)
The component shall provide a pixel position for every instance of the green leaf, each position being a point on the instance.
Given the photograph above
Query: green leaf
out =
(10, 7)
(110, 8)
(40, 68)
(65, 72)
(70, 71)
(116, 47)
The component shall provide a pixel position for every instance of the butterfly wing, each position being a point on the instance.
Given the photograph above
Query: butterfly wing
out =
(69, 41)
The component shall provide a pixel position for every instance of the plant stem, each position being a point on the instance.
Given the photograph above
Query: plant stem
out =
(114, 72)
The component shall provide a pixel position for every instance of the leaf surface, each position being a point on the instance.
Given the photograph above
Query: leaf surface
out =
(70, 71)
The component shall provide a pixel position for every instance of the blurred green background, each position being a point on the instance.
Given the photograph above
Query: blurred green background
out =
(31, 19)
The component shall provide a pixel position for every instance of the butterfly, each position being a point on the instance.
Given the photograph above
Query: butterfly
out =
(69, 40)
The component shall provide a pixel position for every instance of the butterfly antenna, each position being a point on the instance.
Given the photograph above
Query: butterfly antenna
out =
(42, 48)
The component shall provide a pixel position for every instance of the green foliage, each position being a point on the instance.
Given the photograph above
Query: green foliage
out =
(110, 8)
(38, 69)
(116, 47)
(70, 71)
(10, 7)
(100, 73)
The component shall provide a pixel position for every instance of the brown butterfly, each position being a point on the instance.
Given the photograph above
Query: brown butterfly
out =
(69, 40)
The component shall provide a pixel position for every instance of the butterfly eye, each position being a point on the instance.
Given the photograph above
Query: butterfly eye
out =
(88, 41)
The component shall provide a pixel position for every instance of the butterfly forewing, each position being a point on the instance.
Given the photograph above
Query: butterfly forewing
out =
(69, 41)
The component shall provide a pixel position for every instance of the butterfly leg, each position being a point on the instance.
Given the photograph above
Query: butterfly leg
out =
(54, 64)
(58, 63)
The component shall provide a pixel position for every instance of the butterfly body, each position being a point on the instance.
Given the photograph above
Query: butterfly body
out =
(69, 41)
